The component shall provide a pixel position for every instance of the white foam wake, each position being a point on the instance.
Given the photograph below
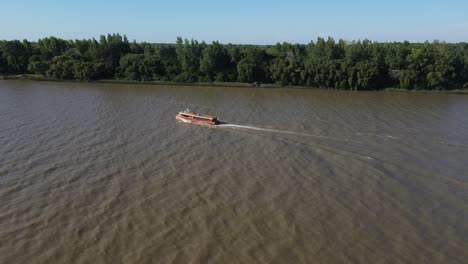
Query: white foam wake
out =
(264, 129)
(270, 130)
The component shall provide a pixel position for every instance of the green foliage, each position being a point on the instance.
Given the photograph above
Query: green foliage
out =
(360, 65)
(326, 64)
(253, 65)
(67, 68)
(189, 55)
(215, 62)
(51, 47)
(169, 61)
(129, 66)
(429, 67)
(3, 64)
(287, 65)
(61, 67)
(84, 70)
(38, 67)
(15, 55)
(141, 67)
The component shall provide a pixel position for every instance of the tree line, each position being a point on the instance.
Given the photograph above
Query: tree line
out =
(357, 65)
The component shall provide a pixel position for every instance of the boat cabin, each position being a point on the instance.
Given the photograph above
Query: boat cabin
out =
(193, 117)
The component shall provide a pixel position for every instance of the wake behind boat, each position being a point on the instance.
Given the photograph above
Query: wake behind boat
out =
(188, 116)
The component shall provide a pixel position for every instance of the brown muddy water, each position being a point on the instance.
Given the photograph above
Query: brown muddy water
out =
(102, 173)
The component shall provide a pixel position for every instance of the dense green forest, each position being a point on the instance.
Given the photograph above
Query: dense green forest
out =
(358, 65)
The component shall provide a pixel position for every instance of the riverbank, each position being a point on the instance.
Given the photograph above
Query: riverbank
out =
(455, 91)
(34, 77)
(10, 77)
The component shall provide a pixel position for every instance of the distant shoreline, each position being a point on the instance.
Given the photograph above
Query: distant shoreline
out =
(32, 77)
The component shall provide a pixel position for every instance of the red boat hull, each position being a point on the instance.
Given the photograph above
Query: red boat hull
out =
(187, 119)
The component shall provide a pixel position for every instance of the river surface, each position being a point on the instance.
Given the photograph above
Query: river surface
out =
(102, 173)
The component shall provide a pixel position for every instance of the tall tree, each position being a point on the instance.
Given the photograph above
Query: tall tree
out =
(215, 62)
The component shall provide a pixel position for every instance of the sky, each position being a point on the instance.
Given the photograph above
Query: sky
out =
(237, 21)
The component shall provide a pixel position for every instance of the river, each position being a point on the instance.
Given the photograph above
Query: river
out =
(102, 173)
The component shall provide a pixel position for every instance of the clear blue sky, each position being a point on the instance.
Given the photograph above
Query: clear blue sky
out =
(237, 21)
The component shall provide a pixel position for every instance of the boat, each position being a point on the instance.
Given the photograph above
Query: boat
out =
(188, 116)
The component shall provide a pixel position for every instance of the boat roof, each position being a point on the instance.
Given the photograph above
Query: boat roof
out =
(197, 115)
